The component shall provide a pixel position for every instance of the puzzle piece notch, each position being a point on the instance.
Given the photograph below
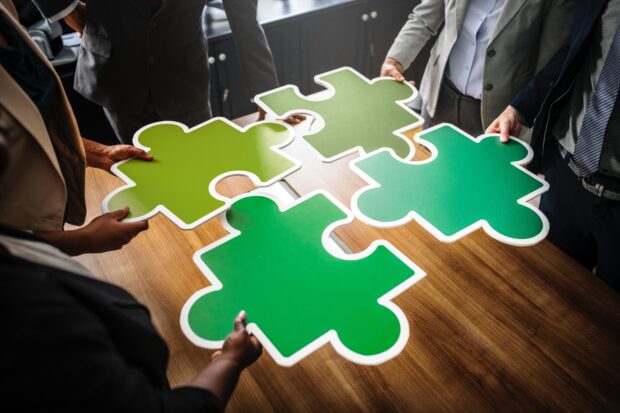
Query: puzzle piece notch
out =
(181, 179)
(466, 182)
(296, 294)
(359, 114)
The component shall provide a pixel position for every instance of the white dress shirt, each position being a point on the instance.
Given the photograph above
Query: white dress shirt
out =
(466, 62)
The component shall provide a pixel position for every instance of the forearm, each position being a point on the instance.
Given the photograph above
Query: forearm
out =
(219, 378)
(70, 242)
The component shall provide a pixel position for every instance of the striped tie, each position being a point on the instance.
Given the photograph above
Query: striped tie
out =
(590, 141)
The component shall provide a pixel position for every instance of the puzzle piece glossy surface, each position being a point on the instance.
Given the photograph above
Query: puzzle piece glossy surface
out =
(358, 114)
(466, 184)
(297, 294)
(180, 181)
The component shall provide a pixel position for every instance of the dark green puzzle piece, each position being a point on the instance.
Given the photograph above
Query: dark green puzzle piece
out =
(469, 183)
(294, 290)
(180, 181)
(360, 113)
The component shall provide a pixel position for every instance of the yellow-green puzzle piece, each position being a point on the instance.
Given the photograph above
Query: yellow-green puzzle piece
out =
(180, 181)
(358, 115)
(467, 184)
(299, 290)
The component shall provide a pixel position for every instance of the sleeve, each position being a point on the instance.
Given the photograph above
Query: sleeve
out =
(256, 57)
(423, 23)
(63, 353)
(55, 10)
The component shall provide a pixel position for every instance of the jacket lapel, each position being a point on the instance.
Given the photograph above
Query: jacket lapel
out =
(510, 10)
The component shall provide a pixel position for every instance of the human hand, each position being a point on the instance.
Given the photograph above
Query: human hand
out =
(77, 17)
(104, 156)
(294, 119)
(239, 347)
(392, 68)
(507, 124)
(108, 233)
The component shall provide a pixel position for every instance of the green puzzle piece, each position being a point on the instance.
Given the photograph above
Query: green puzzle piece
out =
(298, 295)
(468, 183)
(359, 114)
(180, 181)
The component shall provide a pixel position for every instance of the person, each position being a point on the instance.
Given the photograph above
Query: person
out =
(46, 179)
(474, 69)
(145, 61)
(574, 107)
(77, 344)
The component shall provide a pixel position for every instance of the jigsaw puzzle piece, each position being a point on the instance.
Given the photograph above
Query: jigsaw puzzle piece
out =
(466, 184)
(297, 294)
(180, 181)
(358, 115)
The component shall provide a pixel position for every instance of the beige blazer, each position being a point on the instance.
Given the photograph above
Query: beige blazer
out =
(527, 35)
(44, 184)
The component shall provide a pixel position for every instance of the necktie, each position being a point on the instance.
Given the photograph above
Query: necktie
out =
(154, 5)
(590, 141)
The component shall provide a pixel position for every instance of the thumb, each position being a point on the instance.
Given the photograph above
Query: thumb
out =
(493, 127)
(139, 153)
(240, 321)
(504, 131)
(120, 214)
(397, 75)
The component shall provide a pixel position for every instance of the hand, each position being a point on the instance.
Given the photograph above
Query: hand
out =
(392, 68)
(76, 18)
(108, 233)
(507, 124)
(103, 156)
(240, 348)
(294, 119)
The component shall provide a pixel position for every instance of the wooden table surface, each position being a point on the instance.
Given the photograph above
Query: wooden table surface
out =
(493, 327)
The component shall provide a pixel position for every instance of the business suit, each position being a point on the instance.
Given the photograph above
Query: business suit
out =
(46, 182)
(76, 344)
(538, 27)
(132, 58)
(583, 224)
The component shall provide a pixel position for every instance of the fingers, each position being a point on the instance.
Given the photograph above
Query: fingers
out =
(493, 127)
(136, 227)
(140, 154)
(504, 130)
(216, 354)
(396, 75)
(240, 321)
(120, 214)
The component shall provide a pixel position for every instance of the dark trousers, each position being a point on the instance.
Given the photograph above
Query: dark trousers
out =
(583, 225)
(455, 108)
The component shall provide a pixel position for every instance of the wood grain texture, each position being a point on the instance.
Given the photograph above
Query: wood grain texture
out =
(492, 326)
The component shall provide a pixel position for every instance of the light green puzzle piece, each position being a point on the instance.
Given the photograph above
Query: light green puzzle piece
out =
(359, 114)
(180, 181)
(297, 294)
(466, 184)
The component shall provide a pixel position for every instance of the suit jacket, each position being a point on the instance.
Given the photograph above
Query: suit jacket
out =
(542, 99)
(127, 53)
(527, 34)
(46, 175)
(76, 344)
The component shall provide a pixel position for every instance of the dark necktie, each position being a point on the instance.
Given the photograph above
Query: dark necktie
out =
(590, 141)
(154, 5)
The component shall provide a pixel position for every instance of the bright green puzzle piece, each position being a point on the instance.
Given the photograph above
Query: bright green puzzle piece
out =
(297, 295)
(180, 181)
(360, 113)
(468, 183)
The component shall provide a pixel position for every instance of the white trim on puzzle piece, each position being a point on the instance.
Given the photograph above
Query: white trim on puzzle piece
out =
(129, 183)
(331, 336)
(414, 216)
(328, 94)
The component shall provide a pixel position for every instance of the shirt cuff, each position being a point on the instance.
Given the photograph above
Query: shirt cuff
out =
(64, 13)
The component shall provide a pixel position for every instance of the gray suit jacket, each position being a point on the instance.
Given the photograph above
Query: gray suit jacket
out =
(528, 33)
(127, 53)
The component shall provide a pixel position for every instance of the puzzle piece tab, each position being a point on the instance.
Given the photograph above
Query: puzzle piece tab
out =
(359, 114)
(180, 181)
(297, 294)
(466, 184)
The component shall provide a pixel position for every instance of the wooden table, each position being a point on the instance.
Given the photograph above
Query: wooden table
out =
(493, 327)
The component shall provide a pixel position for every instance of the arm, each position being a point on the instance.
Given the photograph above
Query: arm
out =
(104, 156)
(256, 58)
(424, 22)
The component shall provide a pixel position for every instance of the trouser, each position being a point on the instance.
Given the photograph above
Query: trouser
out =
(126, 124)
(583, 225)
(455, 108)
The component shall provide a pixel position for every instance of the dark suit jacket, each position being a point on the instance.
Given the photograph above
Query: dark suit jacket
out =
(75, 344)
(542, 99)
(126, 53)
